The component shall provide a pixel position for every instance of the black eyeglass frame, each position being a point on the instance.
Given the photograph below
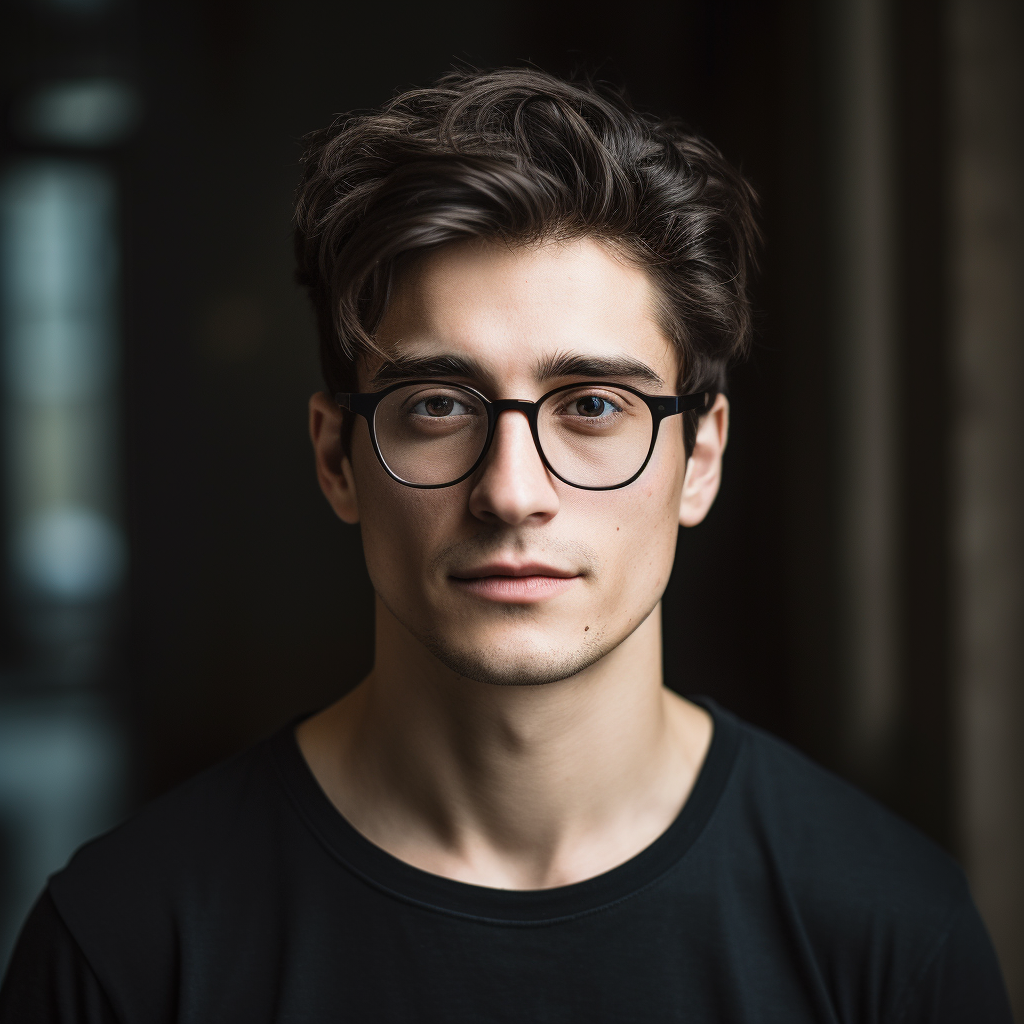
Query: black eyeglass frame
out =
(661, 407)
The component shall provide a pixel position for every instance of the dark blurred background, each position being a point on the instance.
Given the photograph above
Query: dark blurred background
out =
(176, 587)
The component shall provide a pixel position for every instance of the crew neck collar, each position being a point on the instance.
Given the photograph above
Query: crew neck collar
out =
(402, 881)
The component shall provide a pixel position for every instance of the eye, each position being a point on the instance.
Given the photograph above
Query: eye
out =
(601, 409)
(596, 408)
(592, 406)
(440, 406)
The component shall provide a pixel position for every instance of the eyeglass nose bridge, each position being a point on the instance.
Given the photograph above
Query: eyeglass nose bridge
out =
(528, 409)
(503, 404)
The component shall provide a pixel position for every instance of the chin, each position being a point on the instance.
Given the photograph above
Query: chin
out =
(508, 663)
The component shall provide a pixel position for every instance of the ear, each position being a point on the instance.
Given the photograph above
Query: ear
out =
(333, 466)
(704, 468)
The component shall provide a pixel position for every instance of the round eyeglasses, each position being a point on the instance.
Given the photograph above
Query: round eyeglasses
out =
(593, 435)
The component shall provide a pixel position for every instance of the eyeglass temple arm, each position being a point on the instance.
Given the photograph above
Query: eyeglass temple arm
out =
(673, 404)
(361, 404)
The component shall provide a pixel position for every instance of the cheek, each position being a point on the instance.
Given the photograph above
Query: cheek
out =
(400, 525)
(635, 531)
(651, 520)
(661, 484)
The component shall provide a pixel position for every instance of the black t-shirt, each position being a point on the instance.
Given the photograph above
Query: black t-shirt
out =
(779, 894)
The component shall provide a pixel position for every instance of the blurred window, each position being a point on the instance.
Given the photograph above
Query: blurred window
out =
(63, 555)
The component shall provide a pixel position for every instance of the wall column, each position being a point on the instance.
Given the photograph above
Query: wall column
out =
(987, 273)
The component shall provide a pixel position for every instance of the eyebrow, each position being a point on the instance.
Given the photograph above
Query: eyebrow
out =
(568, 364)
(562, 364)
(410, 368)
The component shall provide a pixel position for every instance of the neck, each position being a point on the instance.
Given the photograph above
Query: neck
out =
(511, 786)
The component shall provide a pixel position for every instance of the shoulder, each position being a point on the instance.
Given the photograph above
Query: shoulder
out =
(143, 898)
(852, 868)
(883, 914)
(170, 852)
(813, 808)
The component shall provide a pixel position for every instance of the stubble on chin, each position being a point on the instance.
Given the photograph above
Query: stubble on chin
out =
(499, 668)
(501, 664)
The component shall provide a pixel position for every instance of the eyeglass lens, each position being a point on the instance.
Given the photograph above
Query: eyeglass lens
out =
(433, 434)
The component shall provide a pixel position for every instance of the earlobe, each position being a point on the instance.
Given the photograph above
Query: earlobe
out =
(704, 467)
(333, 465)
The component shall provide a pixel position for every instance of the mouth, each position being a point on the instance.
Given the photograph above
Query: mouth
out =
(510, 583)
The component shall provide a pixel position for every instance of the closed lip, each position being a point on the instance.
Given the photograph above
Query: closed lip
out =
(513, 569)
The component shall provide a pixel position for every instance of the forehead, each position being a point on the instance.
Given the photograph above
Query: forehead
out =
(513, 310)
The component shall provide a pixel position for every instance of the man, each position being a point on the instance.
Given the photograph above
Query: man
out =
(527, 297)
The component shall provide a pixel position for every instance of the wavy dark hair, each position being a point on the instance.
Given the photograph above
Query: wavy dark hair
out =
(519, 155)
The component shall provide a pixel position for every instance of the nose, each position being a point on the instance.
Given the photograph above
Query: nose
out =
(513, 485)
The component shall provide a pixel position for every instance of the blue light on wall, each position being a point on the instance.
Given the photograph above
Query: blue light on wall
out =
(60, 361)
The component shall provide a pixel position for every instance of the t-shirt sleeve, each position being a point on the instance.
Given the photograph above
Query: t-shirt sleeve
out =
(962, 982)
(49, 980)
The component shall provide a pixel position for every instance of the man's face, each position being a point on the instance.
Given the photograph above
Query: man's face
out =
(513, 576)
